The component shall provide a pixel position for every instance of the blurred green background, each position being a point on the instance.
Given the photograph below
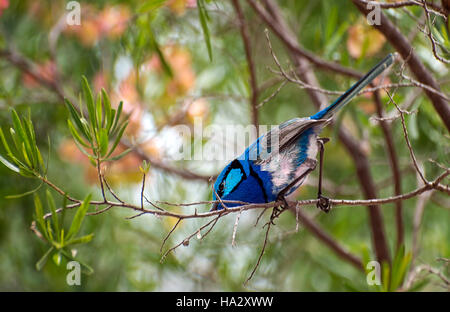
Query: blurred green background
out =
(153, 56)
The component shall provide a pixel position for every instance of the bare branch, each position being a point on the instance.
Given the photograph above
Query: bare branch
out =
(251, 66)
(404, 48)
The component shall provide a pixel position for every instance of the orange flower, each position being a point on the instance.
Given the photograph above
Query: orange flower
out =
(364, 39)
(112, 21)
(180, 61)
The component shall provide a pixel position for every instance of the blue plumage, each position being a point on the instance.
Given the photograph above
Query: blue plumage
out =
(278, 162)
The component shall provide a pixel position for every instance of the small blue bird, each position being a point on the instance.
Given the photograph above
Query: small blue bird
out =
(278, 162)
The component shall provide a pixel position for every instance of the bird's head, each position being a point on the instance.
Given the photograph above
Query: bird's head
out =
(227, 182)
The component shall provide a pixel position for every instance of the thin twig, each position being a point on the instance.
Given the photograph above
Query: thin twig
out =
(168, 234)
(233, 239)
(269, 223)
(251, 66)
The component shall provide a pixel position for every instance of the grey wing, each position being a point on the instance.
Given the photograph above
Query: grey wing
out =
(280, 138)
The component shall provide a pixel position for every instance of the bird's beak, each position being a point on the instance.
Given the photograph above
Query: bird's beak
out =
(214, 207)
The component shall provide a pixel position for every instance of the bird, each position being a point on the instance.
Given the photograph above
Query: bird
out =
(279, 161)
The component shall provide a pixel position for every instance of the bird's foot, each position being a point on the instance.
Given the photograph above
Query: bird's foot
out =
(323, 203)
(279, 209)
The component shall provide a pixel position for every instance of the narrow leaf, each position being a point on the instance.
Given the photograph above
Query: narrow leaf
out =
(103, 142)
(117, 157)
(75, 134)
(89, 102)
(203, 21)
(117, 140)
(9, 165)
(40, 264)
(116, 120)
(78, 218)
(76, 117)
(18, 127)
(55, 220)
(40, 215)
(25, 193)
(99, 111)
(107, 109)
(81, 240)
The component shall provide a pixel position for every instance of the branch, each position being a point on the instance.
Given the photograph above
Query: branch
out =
(402, 45)
(246, 206)
(292, 44)
(393, 162)
(251, 66)
(430, 24)
(436, 9)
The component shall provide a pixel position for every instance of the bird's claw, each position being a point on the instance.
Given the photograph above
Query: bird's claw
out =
(279, 209)
(323, 203)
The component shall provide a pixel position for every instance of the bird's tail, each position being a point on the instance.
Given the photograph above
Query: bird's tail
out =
(354, 90)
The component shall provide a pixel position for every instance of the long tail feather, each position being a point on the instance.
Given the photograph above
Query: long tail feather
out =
(354, 90)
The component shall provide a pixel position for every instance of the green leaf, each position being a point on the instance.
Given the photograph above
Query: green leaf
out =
(81, 240)
(76, 117)
(27, 173)
(203, 14)
(5, 143)
(118, 137)
(40, 264)
(9, 165)
(116, 120)
(108, 110)
(85, 124)
(161, 57)
(92, 161)
(18, 127)
(89, 103)
(103, 141)
(17, 144)
(63, 215)
(55, 220)
(117, 157)
(386, 274)
(99, 111)
(29, 130)
(25, 156)
(87, 269)
(50, 231)
(78, 218)
(75, 134)
(110, 123)
(61, 236)
(25, 193)
(40, 215)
